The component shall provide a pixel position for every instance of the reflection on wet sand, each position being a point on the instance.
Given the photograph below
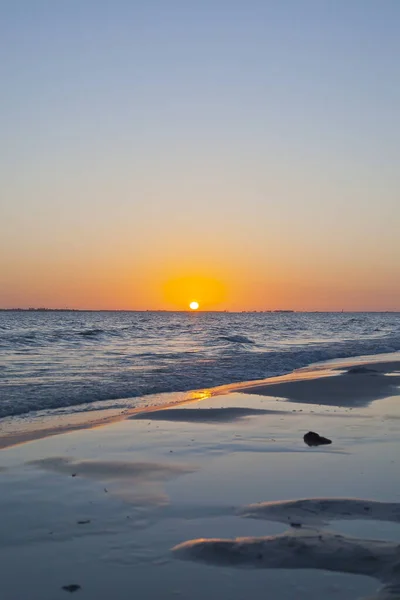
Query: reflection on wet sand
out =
(136, 482)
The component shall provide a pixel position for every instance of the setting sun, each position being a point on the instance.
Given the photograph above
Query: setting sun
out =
(194, 292)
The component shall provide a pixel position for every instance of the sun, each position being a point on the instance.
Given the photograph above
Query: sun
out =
(194, 305)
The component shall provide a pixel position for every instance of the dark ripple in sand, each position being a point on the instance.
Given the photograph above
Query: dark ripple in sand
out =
(205, 415)
(321, 511)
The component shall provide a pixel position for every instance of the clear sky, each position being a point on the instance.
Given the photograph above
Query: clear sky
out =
(244, 154)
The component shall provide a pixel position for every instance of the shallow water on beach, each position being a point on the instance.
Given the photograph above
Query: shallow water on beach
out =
(82, 360)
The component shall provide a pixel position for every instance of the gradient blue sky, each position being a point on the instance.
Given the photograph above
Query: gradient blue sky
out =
(254, 144)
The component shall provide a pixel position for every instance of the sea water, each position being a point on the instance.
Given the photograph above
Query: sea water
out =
(66, 359)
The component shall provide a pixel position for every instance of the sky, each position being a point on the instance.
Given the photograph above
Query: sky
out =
(242, 154)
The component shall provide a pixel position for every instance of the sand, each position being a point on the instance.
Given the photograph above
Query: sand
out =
(347, 387)
(215, 498)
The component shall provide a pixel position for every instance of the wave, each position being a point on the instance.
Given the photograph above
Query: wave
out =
(238, 339)
(131, 377)
(91, 332)
(42, 338)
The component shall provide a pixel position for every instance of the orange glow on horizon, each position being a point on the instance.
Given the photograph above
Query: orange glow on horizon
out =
(109, 282)
(209, 292)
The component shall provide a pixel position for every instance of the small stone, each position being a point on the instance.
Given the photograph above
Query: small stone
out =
(314, 439)
(83, 522)
(73, 587)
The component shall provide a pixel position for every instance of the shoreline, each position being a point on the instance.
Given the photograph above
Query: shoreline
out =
(28, 428)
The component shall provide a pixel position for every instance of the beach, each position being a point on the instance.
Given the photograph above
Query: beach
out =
(200, 301)
(150, 505)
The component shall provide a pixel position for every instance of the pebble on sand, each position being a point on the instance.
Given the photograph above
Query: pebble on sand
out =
(314, 439)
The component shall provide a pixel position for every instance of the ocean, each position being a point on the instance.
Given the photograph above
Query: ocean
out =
(88, 360)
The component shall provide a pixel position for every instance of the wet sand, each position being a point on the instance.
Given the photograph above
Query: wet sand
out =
(352, 386)
(219, 497)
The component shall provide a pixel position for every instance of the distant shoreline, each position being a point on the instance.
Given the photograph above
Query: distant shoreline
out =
(154, 310)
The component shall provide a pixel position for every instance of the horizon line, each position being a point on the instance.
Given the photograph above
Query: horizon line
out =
(158, 310)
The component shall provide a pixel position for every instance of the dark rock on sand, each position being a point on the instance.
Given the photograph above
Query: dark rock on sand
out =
(314, 439)
(73, 587)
